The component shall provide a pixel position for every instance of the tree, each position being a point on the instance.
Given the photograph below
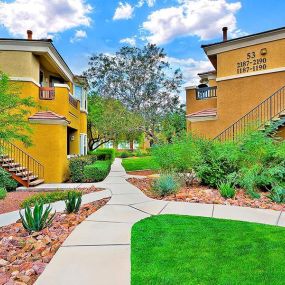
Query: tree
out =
(141, 79)
(109, 120)
(13, 112)
(174, 124)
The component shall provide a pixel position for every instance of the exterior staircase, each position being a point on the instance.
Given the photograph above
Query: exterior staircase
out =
(269, 113)
(24, 169)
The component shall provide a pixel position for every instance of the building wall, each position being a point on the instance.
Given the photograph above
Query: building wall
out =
(49, 142)
(20, 64)
(238, 89)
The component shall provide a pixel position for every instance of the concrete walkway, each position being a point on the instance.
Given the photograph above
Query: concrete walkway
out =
(98, 250)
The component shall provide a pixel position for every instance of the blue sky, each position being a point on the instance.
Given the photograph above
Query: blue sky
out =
(80, 28)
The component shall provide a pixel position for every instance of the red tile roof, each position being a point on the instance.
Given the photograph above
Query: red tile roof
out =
(47, 115)
(204, 113)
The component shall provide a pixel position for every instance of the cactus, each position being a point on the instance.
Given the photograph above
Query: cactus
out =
(37, 219)
(73, 202)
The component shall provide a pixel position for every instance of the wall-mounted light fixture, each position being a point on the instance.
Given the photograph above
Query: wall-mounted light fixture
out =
(263, 51)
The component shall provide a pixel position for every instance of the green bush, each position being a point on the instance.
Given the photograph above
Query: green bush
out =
(256, 159)
(226, 189)
(6, 180)
(166, 184)
(73, 202)
(3, 193)
(98, 171)
(37, 219)
(47, 198)
(278, 194)
(180, 156)
(105, 154)
(125, 154)
(76, 167)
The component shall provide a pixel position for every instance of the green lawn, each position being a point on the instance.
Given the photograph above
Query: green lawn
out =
(172, 250)
(140, 163)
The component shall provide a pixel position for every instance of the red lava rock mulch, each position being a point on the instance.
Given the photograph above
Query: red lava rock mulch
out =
(13, 200)
(142, 172)
(24, 256)
(202, 194)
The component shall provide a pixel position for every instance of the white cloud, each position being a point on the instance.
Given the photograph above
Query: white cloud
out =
(79, 35)
(190, 68)
(150, 3)
(123, 12)
(202, 18)
(129, 41)
(43, 17)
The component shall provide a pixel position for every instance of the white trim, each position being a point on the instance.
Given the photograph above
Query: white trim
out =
(24, 79)
(202, 119)
(190, 87)
(60, 85)
(48, 122)
(38, 47)
(245, 42)
(273, 70)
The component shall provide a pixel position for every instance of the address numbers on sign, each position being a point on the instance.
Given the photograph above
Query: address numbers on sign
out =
(252, 63)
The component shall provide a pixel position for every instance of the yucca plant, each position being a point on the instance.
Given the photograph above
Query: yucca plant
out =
(73, 202)
(37, 219)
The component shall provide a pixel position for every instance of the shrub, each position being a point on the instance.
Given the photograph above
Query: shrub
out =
(105, 154)
(166, 184)
(124, 154)
(73, 202)
(38, 218)
(98, 171)
(6, 180)
(76, 167)
(47, 198)
(227, 189)
(180, 156)
(278, 194)
(3, 193)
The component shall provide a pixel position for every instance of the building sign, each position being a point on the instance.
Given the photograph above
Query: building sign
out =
(253, 61)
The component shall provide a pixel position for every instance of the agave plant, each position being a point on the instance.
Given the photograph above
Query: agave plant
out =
(37, 219)
(73, 202)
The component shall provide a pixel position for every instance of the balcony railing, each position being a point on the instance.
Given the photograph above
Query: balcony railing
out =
(72, 101)
(206, 92)
(47, 93)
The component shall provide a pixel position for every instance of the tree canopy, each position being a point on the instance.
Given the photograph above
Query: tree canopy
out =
(13, 112)
(141, 79)
(109, 120)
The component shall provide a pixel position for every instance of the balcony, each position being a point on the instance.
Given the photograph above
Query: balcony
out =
(73, 101)
(206, 93)
(47, 93)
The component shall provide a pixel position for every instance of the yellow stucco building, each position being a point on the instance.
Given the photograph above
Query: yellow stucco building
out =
(58, 122)
(244, 90)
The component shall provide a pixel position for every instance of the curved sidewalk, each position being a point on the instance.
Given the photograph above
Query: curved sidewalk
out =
(98, 250)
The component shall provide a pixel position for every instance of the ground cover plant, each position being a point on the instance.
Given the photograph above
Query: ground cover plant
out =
(254, 162)
(166, 184)
(140, 163)
(171, 249)
(50, 197)
(3, 193)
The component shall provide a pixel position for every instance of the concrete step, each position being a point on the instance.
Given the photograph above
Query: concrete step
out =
(37, 182)
(24, 173)
(31, 178)
(14, 164)
(16, 169)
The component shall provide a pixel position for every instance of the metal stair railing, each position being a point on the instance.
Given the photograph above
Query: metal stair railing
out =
(23, 164)
(257, 118)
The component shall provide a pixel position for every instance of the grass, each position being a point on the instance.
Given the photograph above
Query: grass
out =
(172, 249)
(140, 163)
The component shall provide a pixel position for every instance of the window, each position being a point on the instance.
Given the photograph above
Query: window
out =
(80, 94)
(83, 144)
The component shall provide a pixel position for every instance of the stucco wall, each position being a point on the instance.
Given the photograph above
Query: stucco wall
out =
(20, 64)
